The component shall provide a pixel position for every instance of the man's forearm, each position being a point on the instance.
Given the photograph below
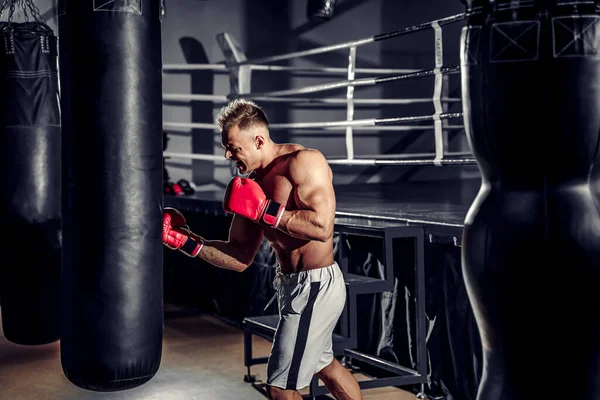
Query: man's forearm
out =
(305, 224)
(223, 255)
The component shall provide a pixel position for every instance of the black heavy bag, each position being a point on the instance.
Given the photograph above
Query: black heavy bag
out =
(30, 183)
(531, 241)
(111, 87)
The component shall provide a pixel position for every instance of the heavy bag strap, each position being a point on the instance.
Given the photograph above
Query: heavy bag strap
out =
(36, 25)
(8, 39)
(8, 32)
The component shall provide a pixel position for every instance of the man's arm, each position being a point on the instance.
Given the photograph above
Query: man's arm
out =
(238, 252)
(311, 176)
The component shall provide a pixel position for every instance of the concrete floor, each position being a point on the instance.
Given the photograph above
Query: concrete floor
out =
(202, 360)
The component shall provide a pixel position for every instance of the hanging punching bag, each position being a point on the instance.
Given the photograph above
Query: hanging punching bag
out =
(30, 183)
(531, 240)
(111, 96)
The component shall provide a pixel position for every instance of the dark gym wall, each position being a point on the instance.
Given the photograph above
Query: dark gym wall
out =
(262, 40)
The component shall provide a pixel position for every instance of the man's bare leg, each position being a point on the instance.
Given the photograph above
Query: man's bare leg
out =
(276, 393)
(340, 382)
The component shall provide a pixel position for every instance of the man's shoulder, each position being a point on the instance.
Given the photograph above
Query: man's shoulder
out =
(306, 155)
(307, 162)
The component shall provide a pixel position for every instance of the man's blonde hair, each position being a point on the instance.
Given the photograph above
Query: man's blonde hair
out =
(240, 112)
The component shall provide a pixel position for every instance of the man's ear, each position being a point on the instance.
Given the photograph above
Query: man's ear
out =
(259, 141)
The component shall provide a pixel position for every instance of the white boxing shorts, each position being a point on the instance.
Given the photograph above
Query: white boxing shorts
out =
(310, 304)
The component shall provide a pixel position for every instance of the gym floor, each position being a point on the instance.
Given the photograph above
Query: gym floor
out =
(203, 358)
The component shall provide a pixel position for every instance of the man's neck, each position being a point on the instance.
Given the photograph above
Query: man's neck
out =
(271, 153)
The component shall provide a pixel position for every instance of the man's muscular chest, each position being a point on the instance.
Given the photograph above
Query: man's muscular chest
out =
(279, 188)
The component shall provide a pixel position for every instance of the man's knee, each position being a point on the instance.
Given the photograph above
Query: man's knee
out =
(272, 391)
(329, 370)
(276, 393)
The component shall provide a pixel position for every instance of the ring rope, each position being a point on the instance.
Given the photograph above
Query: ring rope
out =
(376, 162)
(303, 100)
(355, 43)
(177, 126)
(355, 161)
(224, 68)
(453, 69)
(328, 124)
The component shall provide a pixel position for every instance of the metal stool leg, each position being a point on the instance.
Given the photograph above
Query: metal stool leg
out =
(421, 394)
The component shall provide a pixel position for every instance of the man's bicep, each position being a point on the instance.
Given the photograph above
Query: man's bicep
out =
(317, 196)
(314, 185)
(246, 234)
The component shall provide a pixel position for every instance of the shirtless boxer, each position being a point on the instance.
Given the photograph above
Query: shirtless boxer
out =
(287, 198)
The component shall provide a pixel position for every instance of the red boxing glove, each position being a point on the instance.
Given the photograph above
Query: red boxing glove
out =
(176, 235)
(177, 190)
(246, 198)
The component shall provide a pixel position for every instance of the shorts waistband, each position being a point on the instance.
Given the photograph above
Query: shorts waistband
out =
(311, 275)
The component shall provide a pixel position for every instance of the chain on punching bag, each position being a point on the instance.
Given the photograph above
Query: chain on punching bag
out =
(30, 180)
(111, 97)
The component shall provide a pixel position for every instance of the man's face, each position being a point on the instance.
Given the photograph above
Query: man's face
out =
(240, 147)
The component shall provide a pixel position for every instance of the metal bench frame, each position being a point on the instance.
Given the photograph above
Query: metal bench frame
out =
(346, 341)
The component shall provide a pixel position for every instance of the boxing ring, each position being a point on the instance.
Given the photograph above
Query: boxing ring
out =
(240, 70)
(419, 215)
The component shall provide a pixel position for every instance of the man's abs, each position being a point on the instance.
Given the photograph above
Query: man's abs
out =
(296, 255)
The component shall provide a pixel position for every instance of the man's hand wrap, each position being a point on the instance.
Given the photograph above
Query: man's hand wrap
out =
(176, 235)
(245, 197)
